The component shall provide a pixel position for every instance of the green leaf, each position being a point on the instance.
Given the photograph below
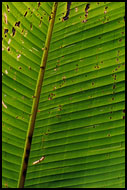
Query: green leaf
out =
(79, 131)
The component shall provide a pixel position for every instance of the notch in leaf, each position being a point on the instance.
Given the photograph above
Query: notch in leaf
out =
(87, 7)
(68, 11)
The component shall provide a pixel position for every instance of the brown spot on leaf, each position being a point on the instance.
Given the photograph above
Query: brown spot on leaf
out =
(114, 86)
(5, 18)
(40, 23)
(42, 67)
(54, 88)
(6, 185)
(64, 78)
(118, 53)
(49, 98)
(85, 20)
(33, 96)
(8, 48)
(31, 27)
(105, 11)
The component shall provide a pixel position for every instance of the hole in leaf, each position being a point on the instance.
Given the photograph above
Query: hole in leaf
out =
(39, 4)
(17, 23)
(87, 7)
(13, 31)
(49, 18)
(86, 12)
(5, 31)
(8, 8)
(25, 14)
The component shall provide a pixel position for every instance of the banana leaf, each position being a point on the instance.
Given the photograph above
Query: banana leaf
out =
(63, 94)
